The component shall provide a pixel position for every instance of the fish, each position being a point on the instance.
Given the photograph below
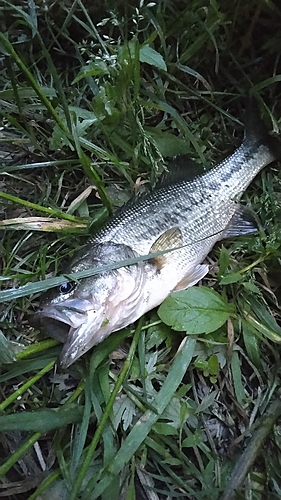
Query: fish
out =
(175, 225)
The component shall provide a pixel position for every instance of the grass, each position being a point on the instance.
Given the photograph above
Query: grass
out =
(95, 100)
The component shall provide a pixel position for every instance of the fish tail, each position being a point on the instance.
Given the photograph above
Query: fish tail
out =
(255, 130)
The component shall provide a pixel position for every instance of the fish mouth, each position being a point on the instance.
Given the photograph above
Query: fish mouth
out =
(57, 324)
(77, 324)
(55, 328)
(61, 320)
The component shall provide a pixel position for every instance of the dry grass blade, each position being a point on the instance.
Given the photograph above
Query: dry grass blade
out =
(40, 224)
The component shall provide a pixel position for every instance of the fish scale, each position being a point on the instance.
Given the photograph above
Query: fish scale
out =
(186, 211)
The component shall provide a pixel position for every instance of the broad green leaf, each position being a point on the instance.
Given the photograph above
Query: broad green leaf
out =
(231, 278)
(150, 56)
(171, 414)
(93, 69)
(192, 440)
(195, 310)
(165, 429)
(169, 144)
(182, 124)
(213, 365)
(251, 287)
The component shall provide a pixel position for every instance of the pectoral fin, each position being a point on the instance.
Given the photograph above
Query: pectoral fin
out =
(192, 277)
(242, 222)
(170, 239)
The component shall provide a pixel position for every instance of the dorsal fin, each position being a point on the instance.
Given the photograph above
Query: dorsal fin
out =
(180, 168)
(132, 201)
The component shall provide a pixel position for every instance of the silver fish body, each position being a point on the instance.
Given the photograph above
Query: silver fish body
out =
(186, 212)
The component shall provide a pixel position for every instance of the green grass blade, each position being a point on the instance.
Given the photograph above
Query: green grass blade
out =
(42, 421)
(107, 412)
(246, 460)
(26, 386)
(142, 428)
(12, 460)
(90, 171)
(32, 81)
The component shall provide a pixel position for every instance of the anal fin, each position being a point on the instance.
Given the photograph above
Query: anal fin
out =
(192, 277)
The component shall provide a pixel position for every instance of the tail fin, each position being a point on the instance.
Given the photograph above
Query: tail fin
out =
(255, 130)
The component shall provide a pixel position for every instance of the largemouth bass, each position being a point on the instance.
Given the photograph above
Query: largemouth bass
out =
(186, 211)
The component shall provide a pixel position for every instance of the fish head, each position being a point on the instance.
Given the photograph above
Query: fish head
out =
(82, 314)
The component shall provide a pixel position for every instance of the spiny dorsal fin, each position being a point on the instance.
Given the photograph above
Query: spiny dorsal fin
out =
(180, 168)
(172, 238)
(132, 201)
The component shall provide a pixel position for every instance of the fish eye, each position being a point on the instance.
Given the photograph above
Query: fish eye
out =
(67, 287)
